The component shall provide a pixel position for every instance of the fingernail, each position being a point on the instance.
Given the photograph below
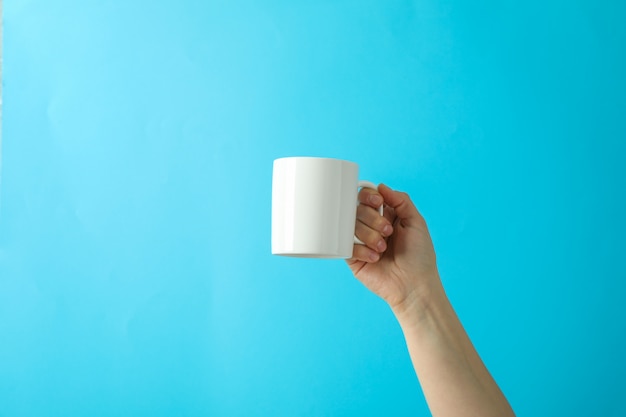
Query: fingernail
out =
(381, 245)
(376, 200)
(374, 256)
(387, 230)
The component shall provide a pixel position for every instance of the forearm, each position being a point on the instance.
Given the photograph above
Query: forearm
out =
(453, 377)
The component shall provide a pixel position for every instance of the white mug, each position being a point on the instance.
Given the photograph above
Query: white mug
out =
(314, 202)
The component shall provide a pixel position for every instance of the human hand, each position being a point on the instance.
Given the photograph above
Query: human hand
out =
(399, 265)
(398, 261)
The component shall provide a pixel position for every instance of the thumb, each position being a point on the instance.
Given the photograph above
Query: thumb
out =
(401, 204)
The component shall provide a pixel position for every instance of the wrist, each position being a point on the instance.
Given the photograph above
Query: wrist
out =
(420, 303)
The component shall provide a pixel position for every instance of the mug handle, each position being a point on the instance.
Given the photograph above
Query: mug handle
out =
(367, 184)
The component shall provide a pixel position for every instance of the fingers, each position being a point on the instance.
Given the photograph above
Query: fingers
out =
(371, 227)
(372, 219)
(370, 197)
(401, 204)
(365, 254)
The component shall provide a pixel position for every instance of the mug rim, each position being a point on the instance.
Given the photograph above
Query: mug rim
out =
(315, 158)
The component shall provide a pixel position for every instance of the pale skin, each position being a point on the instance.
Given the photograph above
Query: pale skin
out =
(398, 263)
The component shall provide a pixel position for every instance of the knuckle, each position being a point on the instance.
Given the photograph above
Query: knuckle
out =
(380, 222)
(359, 252)
(369, 236)
(405, 196)
(364, 193)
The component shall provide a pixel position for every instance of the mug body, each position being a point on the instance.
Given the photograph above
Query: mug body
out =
(314, 207)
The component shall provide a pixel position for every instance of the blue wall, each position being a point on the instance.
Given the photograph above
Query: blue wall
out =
(138, 136)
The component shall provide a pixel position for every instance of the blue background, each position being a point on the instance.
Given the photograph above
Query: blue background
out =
(138, 137)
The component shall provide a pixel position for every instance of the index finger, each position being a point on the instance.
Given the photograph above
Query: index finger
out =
(370, 198)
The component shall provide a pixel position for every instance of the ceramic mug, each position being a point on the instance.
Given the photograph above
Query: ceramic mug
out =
(314, 203)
